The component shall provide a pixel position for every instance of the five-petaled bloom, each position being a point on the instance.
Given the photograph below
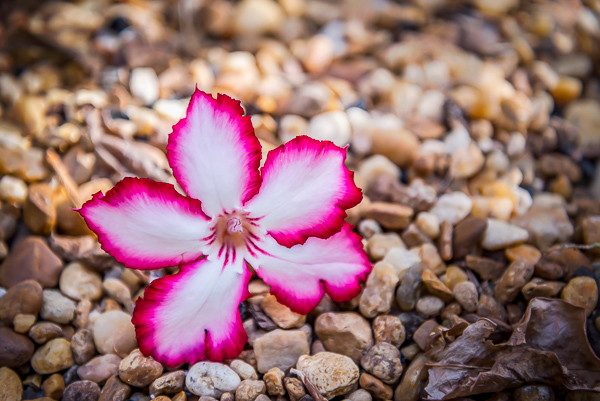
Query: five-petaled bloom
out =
(285, 221)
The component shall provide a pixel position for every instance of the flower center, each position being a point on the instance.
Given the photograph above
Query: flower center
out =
(234, 225)
(232, 233)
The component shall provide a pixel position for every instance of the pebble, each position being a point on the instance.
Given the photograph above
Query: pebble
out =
(23, 322)
(389, 328)
(486, 268)
(429, 224)
(408, 291)
(274, 381)
(345, 333)
(169, 383)
(114, 333)
(376, 387)
(466, 162)
(466, 295)
(590, 227)
(256, 17)
(379, 244)
(243, 369)
(118, 290)
(383, 360)
(401, 260)
(281, 315)
(546, 224)
(249, 389)
(429, 305)
(360, 395)
(138, 370)
(527, 252)
(56, 307)
(23, 298)
(54, 386)
(331, 126)
(397, 144)
(115, 390)
(541, 288)
(41, 332)
(143, 84)
(410, 385)
(11, 388)
(467, 235)
(435, 286)
(211, 379)
(581, 291)
(332, 374)
(390, 215)
(489, 307)
(534, 392)
(99, 368)
(80, 282)
(39, 210)
(83, 390)
(378, 295)
(280, 348)
(31, 259)
(512, 280)
(52, 357)
(500, 234)
(453, 276)
(295, 388)
(82, 345)
(452, 207)
(13, 189)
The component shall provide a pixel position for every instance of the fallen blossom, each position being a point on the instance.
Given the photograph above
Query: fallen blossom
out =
(286, 222)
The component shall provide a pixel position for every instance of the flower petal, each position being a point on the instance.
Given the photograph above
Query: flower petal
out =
(300, 275)
(146, 224)
(193, 315)
(305, 191)
(214, 153)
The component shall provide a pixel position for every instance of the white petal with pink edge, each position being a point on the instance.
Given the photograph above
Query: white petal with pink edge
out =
(300, 275)
(146, 224)
(305, 191)
(214, 153)
(193, 315)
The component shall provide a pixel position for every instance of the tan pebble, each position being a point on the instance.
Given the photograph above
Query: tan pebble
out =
(380, 244)
(283, 316)
(376, 387)
(453, 276)
(54, 386)
(466, 295)
(581, 291)
(527, 252)
(354, 329)
(567, 90)
(274, 381)
(39, 210)
(389, 328)
(23, 322)
(53, 356)
(139, 370)
(410, 385)
(11, 388)
(435, 287)
(512, 280)
(332, 374)
(294, 388)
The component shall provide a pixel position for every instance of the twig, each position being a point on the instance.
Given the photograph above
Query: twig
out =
(65, 178)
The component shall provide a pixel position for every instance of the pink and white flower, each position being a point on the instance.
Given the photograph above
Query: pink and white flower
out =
(284, 221)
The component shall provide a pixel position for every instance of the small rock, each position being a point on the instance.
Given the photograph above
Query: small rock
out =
(466, 295)
(294, 388)
(411, 383)
(590, 227)
(378, 294)
(467, 235)
(581, 291)
(23, 322)
(54, 386)
(80, 282)
(41, 332)
(138, 370)
(376, 387)
(256, 17)
(429, 306)
(15, 349)
(118, 290)
(100, 368)
(499, 235)
(466, 162)
(453, 276)
(534, 392)
(31, 259)
(401, 260)
(169, 383)
(274, 380)
(390, 215)
(331, 126)
(115, 390)
(243, 369)
(11, 387)
(345, 333)
(541, 288)
(249, 389)
(13, 189)
(331, 374)
(398, 145)
(383, 360)
(211, 379)
(514, 278)
(489, 307)
(360, 395)
(39, 210)
(83, 390)
(429, 224)
(144, 84)
(23, 298)
(452, 207)
(53, 356)
(435, 287)
(82, 345)
(547, 223)
(114, 333)
(389, 328)
(408, 290)
(56, 307)
(527, 252)
(281, 315)
(280, 348)
(486, 268)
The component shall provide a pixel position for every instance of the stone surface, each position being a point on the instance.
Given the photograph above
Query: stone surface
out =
(281, 315)
(452, 207)
(274, 381)
(383, 360)
(466, 295)
(83, 390)
(345, 333)
(294, 388)
(429, 305)
(114, 390)
(54, 386)
(535, 392)
(15, 349)
(376, 387)
(41, 332)
(378, 294)
(114, 333)
(541, 288)
(82, 345)
(23, 322)
(512, 280)
(99, 368)
(411, 383)
(138, 370)
(23, 298)
(581, 291)
(211, 379)
(53, 356)
(31, 259)
(467, 236)
(360, 395)
(389, 328)
(79, 282)
(243, 369)
(249, 389)
(390, 215)
(332, 374)
(11, 388)
(56, 307)
(169, 383)
(435, 287)
(408, 291)
(546, 221)
(499, 235)
(280, 348)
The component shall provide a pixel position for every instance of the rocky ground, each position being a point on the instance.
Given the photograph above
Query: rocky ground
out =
(474, 133)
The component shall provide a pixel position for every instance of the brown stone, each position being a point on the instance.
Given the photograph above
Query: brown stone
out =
(83, 390)
(31, 259)
(512, 280)
(376, 387)
(23, 322)
(23, 298)
(54, 386)
(487, 269)
(53, 356)
(274, 380)
(115, 390)
(346, 333)
(99, 368)
(15, 349)
(421, 335)
(383, 360)
(294, 388)
(445, 240)
(408, 291)
(538, 287)
(389, 328)
(390, 215)
(281, 315)
(42, 332)
(82, 345)
(411, 383)
(590, 227)
(169, 383)
(435, 287)
(527, 252)
(139, 370)
(11, 388)
(582, 291)
(489, 307)
(467, 236)
(331, 374)
(249, 389)
(39, 210)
